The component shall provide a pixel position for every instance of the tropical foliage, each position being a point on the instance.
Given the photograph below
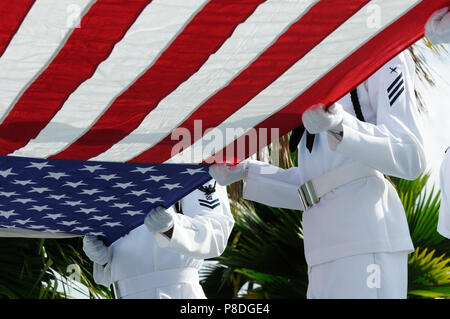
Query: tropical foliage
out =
(38, 268)
(266, 255)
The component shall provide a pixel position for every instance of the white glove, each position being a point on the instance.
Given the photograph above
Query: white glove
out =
(437, 28)
(226, 174)
(159, 220)
(96, 250)
(317, 119)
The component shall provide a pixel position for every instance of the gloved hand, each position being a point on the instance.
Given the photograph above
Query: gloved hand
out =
(317, 119)
(159, 220)
(437, 28)
(226, 174)
(96, 250)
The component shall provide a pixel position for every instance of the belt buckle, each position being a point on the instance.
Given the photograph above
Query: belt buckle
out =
(308, 195)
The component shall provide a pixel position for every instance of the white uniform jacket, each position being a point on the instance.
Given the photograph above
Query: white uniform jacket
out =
(444, 212)
(365, 215)
(201, 231)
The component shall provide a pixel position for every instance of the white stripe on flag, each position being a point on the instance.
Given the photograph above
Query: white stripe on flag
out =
(248, 41)
(354, 33)
(156, 27)
(42, 34)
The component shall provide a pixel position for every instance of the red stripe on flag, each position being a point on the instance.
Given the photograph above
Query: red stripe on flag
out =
(101, 28)
(296, 42)
(346, 76)
(12, 14)
(203, 36)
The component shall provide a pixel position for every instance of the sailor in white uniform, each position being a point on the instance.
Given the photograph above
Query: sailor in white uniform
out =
(356, 235)
(161, 258)
(437, 30)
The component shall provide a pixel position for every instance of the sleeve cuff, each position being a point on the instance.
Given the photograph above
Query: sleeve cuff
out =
(176, 241)
(350, 136)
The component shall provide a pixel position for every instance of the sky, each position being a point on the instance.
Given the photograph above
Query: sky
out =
(437, 117)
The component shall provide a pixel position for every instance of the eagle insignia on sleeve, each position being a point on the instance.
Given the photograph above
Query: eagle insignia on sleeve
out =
(208, 201)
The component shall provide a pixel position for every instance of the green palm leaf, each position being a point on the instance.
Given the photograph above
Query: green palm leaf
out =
(429, 276)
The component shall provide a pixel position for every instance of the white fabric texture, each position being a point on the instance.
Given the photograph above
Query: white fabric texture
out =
(200, 232)
(367, 276)
(159, 220)
(444, 213)
(364, 216)
(437, 28)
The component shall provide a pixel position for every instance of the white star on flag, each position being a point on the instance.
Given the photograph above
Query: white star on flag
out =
(133, 212)
(144, 170)
(97, 234)
(191, 171)
(171, 186)
(39, 208)
(121, 205)
(107, 177)
(91, 169)
(138, 193)
(87, 210)
(54, 216)
(56, 176)
(39, 190)
(58, 197)
(73, 203)
(7, 172)
(124, 185)
(7, 214)
(106, 198)
(23, 200)
(112, 224)
(100, 218)
(152, 200)
(74, 184)
(23, 221)
(90, 191)
(39, 166)
(8, 194)
(156, 178)
(23, 183)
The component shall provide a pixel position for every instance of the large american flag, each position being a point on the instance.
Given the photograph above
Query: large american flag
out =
(110, 80)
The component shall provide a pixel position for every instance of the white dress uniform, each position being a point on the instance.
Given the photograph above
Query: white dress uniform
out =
(444, 213)
(143, 265)
(361, 222)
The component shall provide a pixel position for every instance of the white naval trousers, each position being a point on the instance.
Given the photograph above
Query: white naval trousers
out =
(366, 276)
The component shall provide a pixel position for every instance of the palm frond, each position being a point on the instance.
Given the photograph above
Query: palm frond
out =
(429, 276)
(422, 211)
(28, 266)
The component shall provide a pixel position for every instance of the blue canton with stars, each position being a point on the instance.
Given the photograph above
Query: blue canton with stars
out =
(103, 199)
